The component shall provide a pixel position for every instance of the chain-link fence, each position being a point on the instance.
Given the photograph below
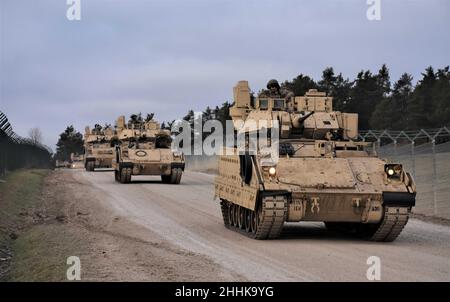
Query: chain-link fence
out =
(426, 153)
(17, 152)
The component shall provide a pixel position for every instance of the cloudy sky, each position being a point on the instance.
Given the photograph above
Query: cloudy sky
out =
(167, 56)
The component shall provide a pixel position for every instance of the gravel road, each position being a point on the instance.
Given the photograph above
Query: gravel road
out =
(187, 216)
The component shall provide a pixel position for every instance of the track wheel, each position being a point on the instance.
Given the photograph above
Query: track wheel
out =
(180, 173)
(90, 166)
(224, 205)
(175, 176)
(129, 172)
(235, 215)
(248, 221)
(253, 222)
(232, 216)
(125, 175)
(241, 217)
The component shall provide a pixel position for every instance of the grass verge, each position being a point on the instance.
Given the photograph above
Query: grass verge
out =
(24, 232)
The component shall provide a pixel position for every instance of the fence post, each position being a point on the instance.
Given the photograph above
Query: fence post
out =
(434, 183)
(413, 158)
(2, 155)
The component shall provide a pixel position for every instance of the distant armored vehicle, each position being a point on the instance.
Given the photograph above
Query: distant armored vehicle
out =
(62, 164)
(76, 161)
(145, 149)
(322, 172)
(98, 147)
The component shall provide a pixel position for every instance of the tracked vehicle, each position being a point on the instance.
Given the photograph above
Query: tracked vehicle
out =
(98, 147)
(145, 149)
(76, 161)
(321, 172)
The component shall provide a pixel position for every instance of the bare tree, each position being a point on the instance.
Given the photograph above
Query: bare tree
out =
(35, 135)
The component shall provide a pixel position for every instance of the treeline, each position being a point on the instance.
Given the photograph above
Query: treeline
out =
(381, 104)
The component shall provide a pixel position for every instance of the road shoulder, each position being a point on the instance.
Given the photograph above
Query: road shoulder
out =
(66, 219)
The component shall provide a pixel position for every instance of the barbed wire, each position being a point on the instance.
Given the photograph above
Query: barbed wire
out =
(17, 152)
(6, 131)
(410, 135)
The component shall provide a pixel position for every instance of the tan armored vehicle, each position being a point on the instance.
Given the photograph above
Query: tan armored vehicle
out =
(145, 149)
(98, 147)
(76, 161)
(322, 173)
(62, 164)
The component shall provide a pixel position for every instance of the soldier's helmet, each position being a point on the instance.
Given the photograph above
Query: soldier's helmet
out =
(133, 117)
(273, 84)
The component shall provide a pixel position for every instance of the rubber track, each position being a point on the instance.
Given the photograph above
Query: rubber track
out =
(394, 220)
(270, 223)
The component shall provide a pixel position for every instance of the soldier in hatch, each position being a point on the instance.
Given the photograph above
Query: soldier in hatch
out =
(134, 120)
(149, 117)
(97, 129)
(274, 90)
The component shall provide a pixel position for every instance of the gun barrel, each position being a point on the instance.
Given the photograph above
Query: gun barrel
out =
(298, 121)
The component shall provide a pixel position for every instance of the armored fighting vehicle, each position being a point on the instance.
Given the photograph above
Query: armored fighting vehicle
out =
(76, 161)
(145, 149)
(320, 171)
(62, 164)
(98, 147)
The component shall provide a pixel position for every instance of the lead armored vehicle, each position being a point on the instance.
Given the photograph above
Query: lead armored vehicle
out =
(98, 147)
(145, 149)
(320, 171)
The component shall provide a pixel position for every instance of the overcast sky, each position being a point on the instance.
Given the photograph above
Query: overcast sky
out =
(127, 56)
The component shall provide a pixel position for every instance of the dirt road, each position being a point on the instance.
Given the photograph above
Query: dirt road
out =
(187, 216)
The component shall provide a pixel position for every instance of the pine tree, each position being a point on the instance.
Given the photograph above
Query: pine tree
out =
(300, 85)
(401, 94)
(420, 106)
(335, 86)
(365, 95)
(441, 99)
(383, 80)
(328, 82)
(391, 112)
(70, 141)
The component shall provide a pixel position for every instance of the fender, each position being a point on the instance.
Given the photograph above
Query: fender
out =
(177, 165)
(125, 165)
(403, 199)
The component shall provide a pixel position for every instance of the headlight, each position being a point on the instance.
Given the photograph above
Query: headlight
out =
(177, 154)
(393, 170)
(272, 171)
